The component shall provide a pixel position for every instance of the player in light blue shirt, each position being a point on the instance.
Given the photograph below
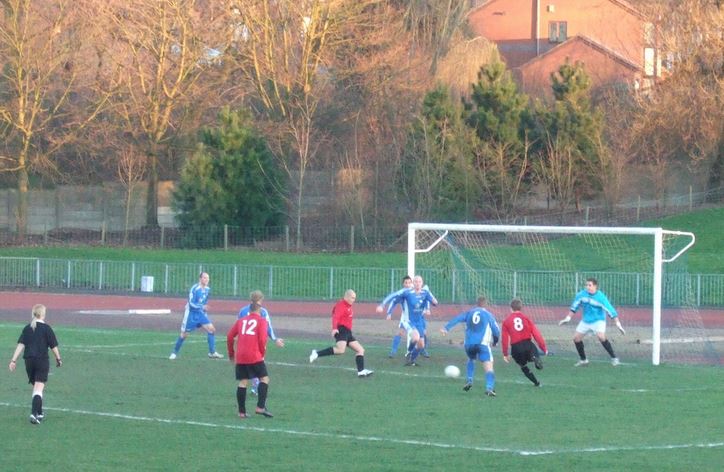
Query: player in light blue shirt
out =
(595, 306)
(256, 297)
(481, 332)
(195, 317)
(418, 300)
(391, 301)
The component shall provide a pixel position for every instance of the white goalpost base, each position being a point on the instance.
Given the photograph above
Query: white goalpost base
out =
(485, 252)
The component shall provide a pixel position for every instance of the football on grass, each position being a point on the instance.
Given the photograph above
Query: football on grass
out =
(452, 371)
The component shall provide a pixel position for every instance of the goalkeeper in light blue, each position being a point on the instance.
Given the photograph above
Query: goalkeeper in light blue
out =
(595, 306)
(481, 333)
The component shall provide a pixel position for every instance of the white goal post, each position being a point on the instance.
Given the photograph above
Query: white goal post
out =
(441, 231)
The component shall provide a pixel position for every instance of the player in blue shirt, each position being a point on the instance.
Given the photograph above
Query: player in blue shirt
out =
(256, 297)
(195, 317)
(595, 306)
(481, 332)
(418, 300)
(391, 301)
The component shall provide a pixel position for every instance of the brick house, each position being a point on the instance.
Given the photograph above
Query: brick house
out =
(611, 38)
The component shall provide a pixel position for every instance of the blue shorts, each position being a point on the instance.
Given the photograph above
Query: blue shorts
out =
(480, 352)
(194, 320)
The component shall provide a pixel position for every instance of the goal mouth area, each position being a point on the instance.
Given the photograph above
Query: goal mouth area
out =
(546, 266)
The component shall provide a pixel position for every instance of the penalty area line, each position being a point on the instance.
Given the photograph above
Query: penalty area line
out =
(354, 437)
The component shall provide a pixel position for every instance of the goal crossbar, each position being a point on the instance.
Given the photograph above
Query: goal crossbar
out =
(658, 254)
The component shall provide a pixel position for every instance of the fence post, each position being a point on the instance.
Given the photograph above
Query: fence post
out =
(165, 279)
(68, 276)
(515, 284)
(286, 237)
(235, 278)
(452, 281)
(638, 288)
(638, 209)
(331, 283)
(271, 281)
(351, 239)
(103, 233)
(133, 276)
(37, 272)
(163, 228)
(588, 210)
(100, 275)
(226, 237)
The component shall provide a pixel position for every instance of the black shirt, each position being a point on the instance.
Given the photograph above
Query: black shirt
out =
(38, 341)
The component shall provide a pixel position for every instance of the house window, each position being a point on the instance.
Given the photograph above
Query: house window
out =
(557, 31)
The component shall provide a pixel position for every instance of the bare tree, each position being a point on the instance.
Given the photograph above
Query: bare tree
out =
(559, 170)
(685, 109)
(131, 168)
(43, 104)
(286, 52)
(161, 58)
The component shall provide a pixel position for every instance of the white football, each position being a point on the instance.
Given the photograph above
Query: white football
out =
(452, 371)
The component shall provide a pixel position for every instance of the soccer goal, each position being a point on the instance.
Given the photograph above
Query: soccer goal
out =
(546, 266)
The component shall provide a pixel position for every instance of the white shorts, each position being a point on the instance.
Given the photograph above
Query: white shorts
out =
(591, 328)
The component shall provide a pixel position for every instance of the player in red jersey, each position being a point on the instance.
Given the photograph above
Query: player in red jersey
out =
(342, 315)
(518, 330)
(251, 336)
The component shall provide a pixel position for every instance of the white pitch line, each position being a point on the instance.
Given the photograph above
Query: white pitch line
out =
(407, 442)
(160, 311)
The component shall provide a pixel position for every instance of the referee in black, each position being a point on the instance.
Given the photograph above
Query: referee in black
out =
(37, 337)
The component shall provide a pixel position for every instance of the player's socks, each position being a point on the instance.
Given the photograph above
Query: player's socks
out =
(414, 353)
(263, 391)
(37, 404)
(326, 352)
(241, 399)
(490, 380)
(211, 339)
(395, 344)
(177, 346)
(580, 349)
(470, 370)
(529, 374)
(607, 346)
(360, 361)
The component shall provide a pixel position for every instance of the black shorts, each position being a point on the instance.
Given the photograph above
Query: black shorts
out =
(250, 371)
(37, 369)
(344, 334)
(524, 352)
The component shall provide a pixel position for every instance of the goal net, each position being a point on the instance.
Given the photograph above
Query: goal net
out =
(667, 312)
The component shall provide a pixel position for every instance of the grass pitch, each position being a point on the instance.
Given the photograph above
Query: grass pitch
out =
(118, 403)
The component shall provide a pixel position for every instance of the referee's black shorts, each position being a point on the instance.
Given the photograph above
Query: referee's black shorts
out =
(344, 334)
(37, 369)
(523, 352)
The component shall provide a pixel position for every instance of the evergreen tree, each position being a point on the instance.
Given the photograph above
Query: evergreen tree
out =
(496, 111)
(568, 138)
(435, 173)
(231, 179)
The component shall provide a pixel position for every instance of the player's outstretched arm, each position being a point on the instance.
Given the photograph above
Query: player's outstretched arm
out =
(564, 320)
(618, 326)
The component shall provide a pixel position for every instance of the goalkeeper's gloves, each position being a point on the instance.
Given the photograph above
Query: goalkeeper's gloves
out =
(564, 320)
(620, 328)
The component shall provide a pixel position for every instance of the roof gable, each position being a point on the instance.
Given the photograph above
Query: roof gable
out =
(588, 42)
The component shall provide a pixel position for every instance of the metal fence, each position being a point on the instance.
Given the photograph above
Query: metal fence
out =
(314, 237)
(371, 284)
